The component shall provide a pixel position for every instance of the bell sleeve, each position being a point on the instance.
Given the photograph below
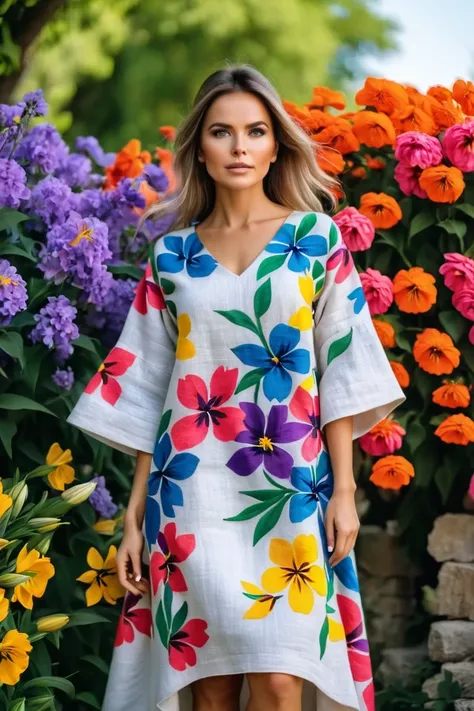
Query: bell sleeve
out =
(354, 374)
(122, 403)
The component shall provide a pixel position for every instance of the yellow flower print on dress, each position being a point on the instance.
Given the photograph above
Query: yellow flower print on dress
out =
(264, 602)
(336, 630)
(185, 348)
(296, 568)
(303, 318)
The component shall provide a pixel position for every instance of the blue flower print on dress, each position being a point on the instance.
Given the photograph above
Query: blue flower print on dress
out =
(286, 242)
(162, 480)
(314, 484)
(358, 297)
(281, 356)
(187, 253)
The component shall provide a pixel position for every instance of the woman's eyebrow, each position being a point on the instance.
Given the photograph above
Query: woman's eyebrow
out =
(228, 125)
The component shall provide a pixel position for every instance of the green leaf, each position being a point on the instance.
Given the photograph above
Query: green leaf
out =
(420, 222)
(85, 617)
(10, 218)
(126, 270)
(162, 625)
(34, 357)
(306, 225)
(454, 227)
(164, 423)
(172, 307)
(38, 289)
(56, 682)
(338, 347)
(87, 697)
(318, 269)
(15, 250)
(425, 461)
(269, 520)
(262, 494)
(465, 207)
(454, 324)
(168, 602)
(318, 286)
(239, 318)
(7, 432)
(333, 234)
(179, 619)
(251, 511)
(416, 434)
(96, 662)
(444, 480)
(262, 298)
(12, 343)
(152, 260)
(251, 378)
(167, 286)
(270, 264)
(11, 401)
(323, 637)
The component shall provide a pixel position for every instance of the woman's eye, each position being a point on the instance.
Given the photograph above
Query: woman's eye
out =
(219, 131)
(260, 131)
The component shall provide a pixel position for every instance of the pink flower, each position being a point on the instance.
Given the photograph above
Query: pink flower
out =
(306, 409)
(407, 179)
(116, 364)
(458, 271)
(463, 301)
(378, 290)
(471, 336)
(385, 438)
(357, 230)
(418, 149)
(458, 145)
(164, 566)
(343, 262)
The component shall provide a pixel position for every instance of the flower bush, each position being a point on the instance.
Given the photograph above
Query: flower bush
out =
(72, 261)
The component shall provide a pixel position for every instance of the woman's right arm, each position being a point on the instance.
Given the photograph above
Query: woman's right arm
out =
(129, 554)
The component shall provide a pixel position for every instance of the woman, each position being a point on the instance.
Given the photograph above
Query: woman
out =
(247, 365)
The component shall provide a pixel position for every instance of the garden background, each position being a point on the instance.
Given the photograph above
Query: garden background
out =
(90, 94)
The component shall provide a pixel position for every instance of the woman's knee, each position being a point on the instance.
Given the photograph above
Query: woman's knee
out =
(219, 692)
(275, 685)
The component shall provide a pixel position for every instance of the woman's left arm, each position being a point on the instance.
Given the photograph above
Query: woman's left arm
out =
(341, 520)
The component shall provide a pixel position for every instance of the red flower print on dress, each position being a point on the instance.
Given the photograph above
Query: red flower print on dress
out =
(357, 645)
(305, 408)
(342, 260)
(227, 422)
(131, 619)
(163, 566)
(148, 293)
(117, 363)
(182, 643)
(369, 696)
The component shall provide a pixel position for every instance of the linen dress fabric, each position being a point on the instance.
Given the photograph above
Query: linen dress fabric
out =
(228, 380)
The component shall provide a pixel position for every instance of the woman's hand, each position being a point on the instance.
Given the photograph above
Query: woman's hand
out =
(342, 525)
(129, 557)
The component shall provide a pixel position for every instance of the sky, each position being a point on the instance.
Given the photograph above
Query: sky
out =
(436, 42)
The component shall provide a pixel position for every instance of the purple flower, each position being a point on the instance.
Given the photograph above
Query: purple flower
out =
(101, 499)
(63, 378)
(156, 177)
(12, 184)
(55, 326)
(42, 148)
(52, 201)
(13, 294)
(91, 146)
(34, 104)
(153, 228)
(117, 305)
(75, 170)
(263, 438)
(10, 115)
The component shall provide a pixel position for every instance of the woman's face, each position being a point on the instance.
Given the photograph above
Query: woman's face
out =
(237, 129)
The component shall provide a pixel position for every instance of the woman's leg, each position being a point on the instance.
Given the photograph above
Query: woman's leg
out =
(273, 691)
(217, 693)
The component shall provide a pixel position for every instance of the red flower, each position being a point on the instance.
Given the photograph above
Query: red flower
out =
(182, 643)
(175, 549)
(227, 422)
(132, 617)
(357, 645)
(117, 363)
(306, 408)
(148, 293)
(342, 259)
(369, 696)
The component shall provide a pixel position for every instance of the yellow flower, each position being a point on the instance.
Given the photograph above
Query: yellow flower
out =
(107, 526)
(103, 578)
(336, 631)
(308, 382)
(52, 623)
(63, 474)
(5, 501)
(296, 568)
(3, 605)
(263, 605)
(14, 659)
(41, 570)
(303, 318)
(185, 348)
(3, 543)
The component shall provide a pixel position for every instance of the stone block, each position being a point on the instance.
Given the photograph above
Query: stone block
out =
(463, 673)
(451, 640)
(401, 663)
(452, 538)
(464, 705)
(455, 591)
(379, 554)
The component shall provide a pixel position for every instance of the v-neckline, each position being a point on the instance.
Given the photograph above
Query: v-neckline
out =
(255, 260)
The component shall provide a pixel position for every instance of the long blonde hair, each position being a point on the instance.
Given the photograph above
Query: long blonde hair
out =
(295, 180)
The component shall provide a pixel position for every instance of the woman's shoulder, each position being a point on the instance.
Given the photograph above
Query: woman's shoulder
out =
(172, 239)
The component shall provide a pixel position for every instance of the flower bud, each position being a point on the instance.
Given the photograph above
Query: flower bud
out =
(44, 524)
(43, 544)
(76, 495)
(52, 623)
(18, 493)
(10, 580)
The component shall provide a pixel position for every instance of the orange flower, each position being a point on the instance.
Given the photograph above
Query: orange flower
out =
(411, 118)
(329, 160)
(392, 472)
(440, 93)
(300, 115)
(414, 291)
(452, 394)
(445, 114)
(374, 130)
(149, 194)
(401, 373)
(168, 132)
(415, 97)
(349, 115)
(435, 352)
(338, 134)
(463, 93)
(381, 209)
(375, 163)
(385, 332)
(456, 429)
(338, 192)
(129, 163)
(359, 172)
(318, 121)
(166, 158)
(383, 94)
(442, 183)
(322, 97)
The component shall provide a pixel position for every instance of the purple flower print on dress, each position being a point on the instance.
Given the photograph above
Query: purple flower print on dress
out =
(13, 294)
(263, 438)
(12, 184)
